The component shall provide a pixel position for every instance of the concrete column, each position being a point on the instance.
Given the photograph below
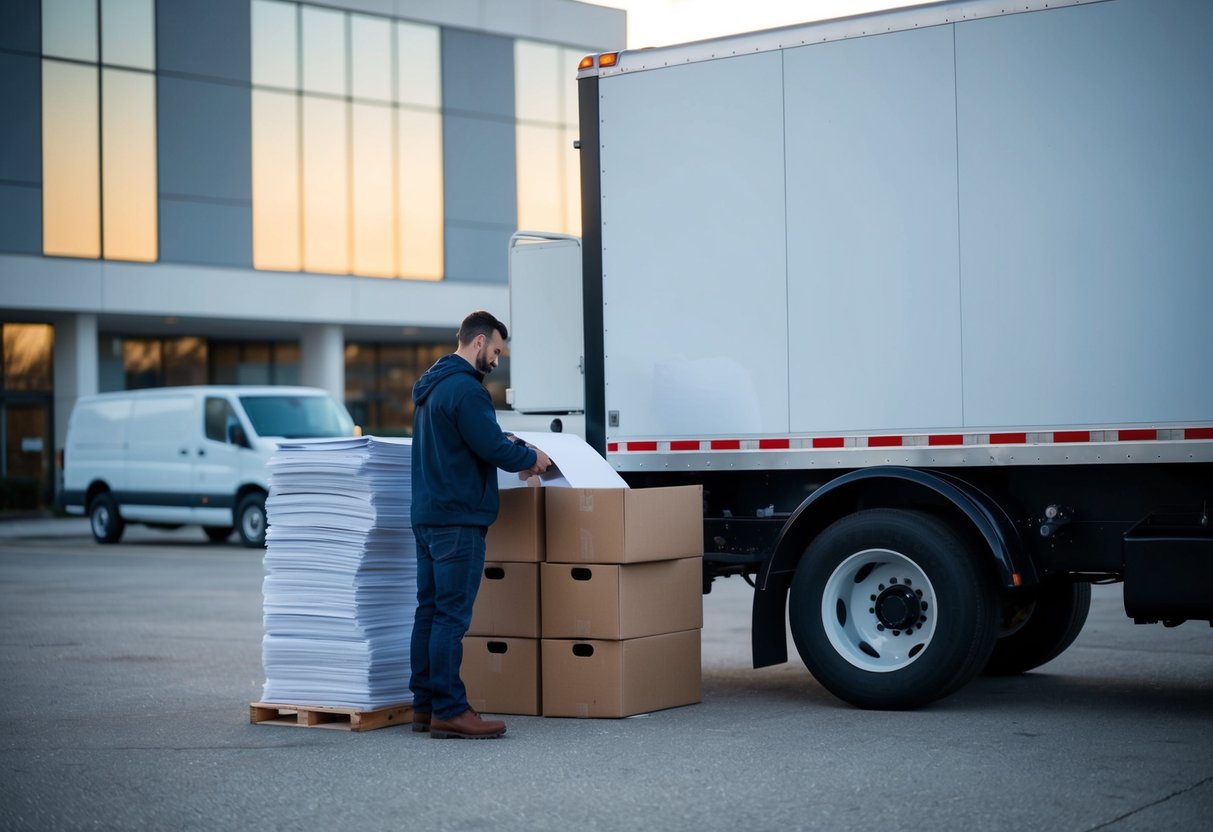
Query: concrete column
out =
(322, 358)
(76, 372)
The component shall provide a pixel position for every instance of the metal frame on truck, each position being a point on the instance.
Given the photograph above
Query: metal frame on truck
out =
(921, 299)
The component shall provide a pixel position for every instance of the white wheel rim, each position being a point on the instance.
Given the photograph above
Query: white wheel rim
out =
(253, 522)
(867, 602)
(101, 521)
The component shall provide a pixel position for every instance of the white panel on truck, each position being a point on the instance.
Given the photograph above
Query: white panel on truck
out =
(873, 283)
(693, 257)
(1086, 193)
(546, 334)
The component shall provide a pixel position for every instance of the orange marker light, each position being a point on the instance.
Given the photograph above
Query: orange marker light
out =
(1016, 579)
(608, 59)
(586, 63)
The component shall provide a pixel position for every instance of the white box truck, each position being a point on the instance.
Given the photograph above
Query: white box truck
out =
(174, 456)
(924, 300)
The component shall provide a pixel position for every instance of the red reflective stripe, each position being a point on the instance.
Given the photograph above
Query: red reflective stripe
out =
(1198, 433)
(828, 442)
(946, 439)
(1136, 435)
(612, 447)
(684, 445)
(726, 445)
(642, 446)
(884, 441)
(773, 444)
(1008, 438)
(1071, 436)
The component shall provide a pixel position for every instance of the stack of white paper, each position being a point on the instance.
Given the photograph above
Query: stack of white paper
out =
(341, 583)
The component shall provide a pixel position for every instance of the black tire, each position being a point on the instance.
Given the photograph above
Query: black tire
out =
(250, 520)
(217, 534)
(104, 520)
(1055, 614)
(902, 582)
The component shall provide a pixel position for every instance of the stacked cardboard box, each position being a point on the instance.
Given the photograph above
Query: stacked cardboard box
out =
(591, 603)
(622, 600)
(501, 649)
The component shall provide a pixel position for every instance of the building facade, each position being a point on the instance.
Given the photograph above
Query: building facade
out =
(267, 191)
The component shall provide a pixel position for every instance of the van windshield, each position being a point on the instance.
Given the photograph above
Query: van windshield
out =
(297, 417)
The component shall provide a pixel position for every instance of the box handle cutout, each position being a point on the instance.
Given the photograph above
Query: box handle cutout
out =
(494, 573)
(498, 647)
(583, 650)
(580, 573)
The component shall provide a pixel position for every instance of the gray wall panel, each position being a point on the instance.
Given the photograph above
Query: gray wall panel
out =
(203, 136)
(476, 253)
(206, 233)
(21, 25)
(1086, 183)
(479, 175)
(20, 104)
(20, 219)
(204, 37)
(477, 73)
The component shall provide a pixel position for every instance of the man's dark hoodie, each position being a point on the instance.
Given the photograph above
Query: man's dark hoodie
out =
(458, 447)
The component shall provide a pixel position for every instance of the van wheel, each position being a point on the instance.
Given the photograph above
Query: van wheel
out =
(217, 534)
(105, 521)
(1042, 629)
(250, 520)
(891, 609)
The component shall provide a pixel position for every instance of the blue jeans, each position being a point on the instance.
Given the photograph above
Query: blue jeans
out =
(450, 560)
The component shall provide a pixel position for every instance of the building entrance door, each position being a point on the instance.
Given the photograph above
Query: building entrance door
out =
(25, 461)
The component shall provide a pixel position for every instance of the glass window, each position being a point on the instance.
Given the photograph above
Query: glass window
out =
(71, 177)
(141, 363)
(69, 29)
(275, 42)
(374, 220)
(371, 57)
(256, 364)
(275, 128)
(184, 361)
(286, 363)
(537, 82)
(418, 65)
(296, 417)
(128, 33)
(128, 139)
(572, 181)
(324, 48)
(28, 357)
(220, 418)
(420, 209)
(540, 177)
(569, 58)
(325, 186)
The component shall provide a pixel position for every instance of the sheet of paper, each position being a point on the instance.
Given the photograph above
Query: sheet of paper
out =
(579, 465)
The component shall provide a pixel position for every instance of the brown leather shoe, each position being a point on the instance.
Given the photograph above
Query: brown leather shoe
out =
(421, 722)
(467, 726)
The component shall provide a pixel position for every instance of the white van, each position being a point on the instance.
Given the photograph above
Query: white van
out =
(173, 456)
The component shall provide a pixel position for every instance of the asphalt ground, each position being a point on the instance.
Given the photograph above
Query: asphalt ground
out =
(127, 671)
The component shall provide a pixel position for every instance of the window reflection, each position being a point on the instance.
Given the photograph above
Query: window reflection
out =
(128, 33)
(379, 381)
(325, 198)
(275, 42)
(418, 65)
(371, 57)
(184, 361)
(275, 126)
(374, 220)
(142, 365)
(71, 176)
(69, 29)
(128, 139)
(548, 172)
(28, 357)
(323, 51)
(420, 194)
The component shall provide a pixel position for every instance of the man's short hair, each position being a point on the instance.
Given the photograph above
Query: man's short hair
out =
(480, 323)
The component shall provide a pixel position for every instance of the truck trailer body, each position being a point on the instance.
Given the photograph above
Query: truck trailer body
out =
(924, 299)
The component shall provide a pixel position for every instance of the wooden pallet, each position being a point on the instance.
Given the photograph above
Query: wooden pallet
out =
(322, 716)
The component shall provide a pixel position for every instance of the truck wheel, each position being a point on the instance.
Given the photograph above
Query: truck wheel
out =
(1041, 629)
(250, 520)
(105, 521)
(217, 534)
(891, 609)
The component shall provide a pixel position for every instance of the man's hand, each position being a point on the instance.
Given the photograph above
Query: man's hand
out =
(542, 463)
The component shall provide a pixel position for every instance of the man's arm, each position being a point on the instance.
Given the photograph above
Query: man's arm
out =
(478, 427)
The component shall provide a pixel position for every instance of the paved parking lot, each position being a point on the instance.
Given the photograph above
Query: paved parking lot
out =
(127, 671)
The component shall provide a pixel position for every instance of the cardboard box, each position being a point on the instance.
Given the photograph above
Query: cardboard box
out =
(507, 603)
(620, 678)
(502, 675)
(624, 525)
(519, 533)
(621, 601)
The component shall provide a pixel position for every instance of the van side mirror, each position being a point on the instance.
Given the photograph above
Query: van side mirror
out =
(236, 435)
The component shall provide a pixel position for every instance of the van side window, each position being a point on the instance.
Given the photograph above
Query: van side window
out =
(219, 416)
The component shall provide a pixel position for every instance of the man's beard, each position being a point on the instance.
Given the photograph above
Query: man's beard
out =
(482, 363)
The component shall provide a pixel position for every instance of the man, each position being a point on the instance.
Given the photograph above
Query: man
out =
(457, 449)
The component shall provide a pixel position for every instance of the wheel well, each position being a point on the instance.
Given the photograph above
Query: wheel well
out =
(94, 489)
(244, 491)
